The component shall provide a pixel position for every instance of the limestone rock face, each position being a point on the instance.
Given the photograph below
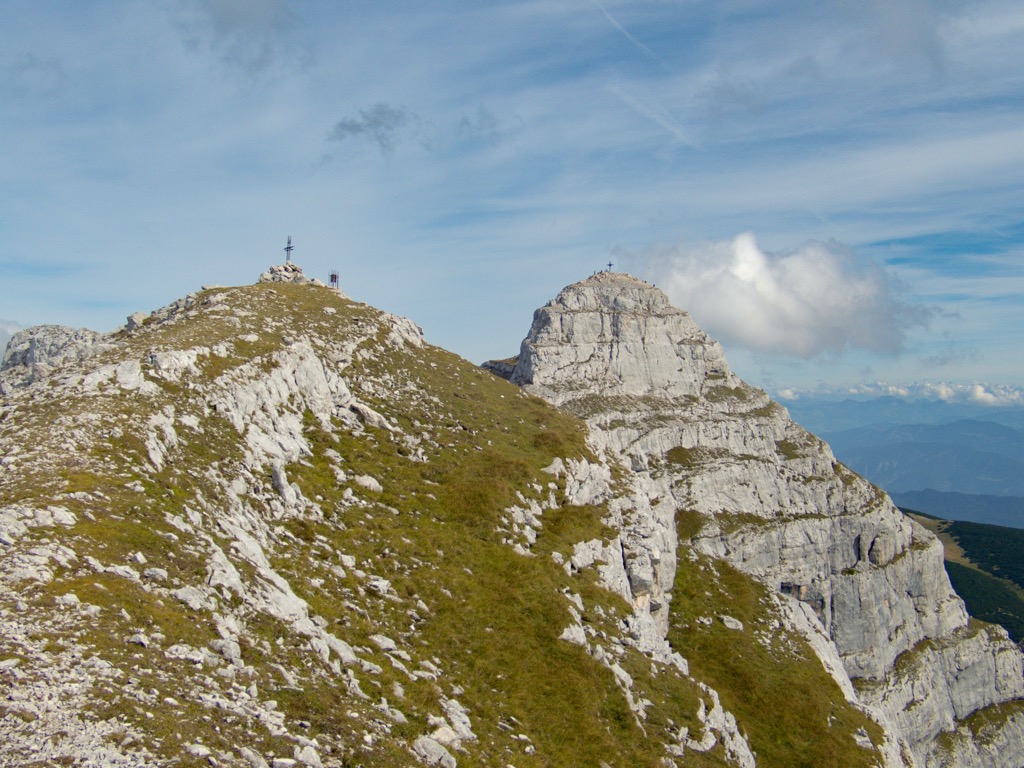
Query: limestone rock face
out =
(33, 352)
(266, 525)
(613, 335)
(773, 501)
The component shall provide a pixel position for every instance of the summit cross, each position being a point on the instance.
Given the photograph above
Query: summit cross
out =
(288, 251)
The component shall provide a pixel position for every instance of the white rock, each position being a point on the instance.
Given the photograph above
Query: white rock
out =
(198, 750)
(574, 634)
(33, 352)
(369, 483)
(308, 756)
(384, 642)
(731, 623)
(430, 752)
(254, 759)
(459, 719)
(193, 597)
(135, 320)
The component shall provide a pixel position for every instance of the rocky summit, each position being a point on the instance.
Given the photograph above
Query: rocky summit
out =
(270, 526)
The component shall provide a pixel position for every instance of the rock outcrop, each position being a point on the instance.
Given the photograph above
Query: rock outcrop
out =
(773, 501)
(269, 526)
(33, 352)
(615, 336)
(290, 272)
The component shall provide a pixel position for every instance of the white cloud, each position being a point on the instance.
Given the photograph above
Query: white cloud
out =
(940, 391)
(977, 393)
(818, 300)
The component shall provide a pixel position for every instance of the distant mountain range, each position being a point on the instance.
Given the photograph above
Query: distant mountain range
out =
(954, 460)
(822, 415)
(974, 457)
(972, 508)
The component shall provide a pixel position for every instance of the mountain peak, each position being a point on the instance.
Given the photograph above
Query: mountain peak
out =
(289, 272)
(615, 334)
(268, 521)
(617, 291)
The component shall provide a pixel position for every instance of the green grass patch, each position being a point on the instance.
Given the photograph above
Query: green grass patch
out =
(986, 724)
(764, 669)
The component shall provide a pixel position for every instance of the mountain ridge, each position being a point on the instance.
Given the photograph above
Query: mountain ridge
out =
(965, 456)
(266, 489)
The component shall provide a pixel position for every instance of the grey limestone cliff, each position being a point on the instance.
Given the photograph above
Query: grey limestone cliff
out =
(773, 501)
(269, 526)
(33, 352)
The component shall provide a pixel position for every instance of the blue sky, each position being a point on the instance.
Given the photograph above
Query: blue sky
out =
(834, 190)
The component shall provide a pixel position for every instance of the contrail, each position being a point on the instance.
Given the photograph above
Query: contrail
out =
(657, 116)
(625, 32)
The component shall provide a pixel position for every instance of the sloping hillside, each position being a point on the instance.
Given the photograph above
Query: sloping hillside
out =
(269, 526)
(270, 523)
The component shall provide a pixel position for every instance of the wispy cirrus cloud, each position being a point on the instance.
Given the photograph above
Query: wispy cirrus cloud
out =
(246, 33)
(383, 124)
(535, 139)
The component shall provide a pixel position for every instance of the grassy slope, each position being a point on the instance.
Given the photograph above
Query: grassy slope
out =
(792, 712)
(492, 617)
(996, 549)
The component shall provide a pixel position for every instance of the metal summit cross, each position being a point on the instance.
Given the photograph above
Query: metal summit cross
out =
(288, 251)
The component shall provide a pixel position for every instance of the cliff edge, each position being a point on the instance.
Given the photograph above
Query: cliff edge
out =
(759, 492)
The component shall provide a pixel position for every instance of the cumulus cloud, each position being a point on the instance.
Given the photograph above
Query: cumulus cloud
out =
(938, 391)
(818, 300)
(982, 395)
(975, 393)
(381, 123)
